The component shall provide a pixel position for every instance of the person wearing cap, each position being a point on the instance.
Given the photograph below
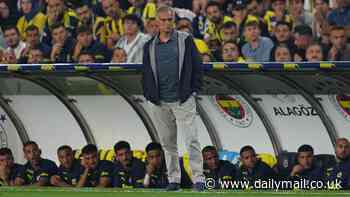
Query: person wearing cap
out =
(305, 167)
(85, 42)
(216, 21)
(277, 14)
(257, 48)
(133, 40)
(303, 37)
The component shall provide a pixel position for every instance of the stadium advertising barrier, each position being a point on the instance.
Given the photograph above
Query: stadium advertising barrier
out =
(273, 106)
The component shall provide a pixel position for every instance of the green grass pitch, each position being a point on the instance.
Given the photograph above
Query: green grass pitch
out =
(93, 192)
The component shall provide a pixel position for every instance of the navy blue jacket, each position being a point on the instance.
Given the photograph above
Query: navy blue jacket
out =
(190, 73)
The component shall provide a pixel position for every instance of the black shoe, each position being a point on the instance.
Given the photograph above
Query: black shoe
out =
(173, 187)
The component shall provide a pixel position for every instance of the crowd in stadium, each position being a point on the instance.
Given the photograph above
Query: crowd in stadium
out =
(86, 31)
(128, 171)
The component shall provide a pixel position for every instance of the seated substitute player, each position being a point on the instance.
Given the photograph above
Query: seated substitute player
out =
(129, 171)
(68, 172)
(94, 172)
(9, 170)
(156, 176)
(341, 171)
(305, 167)
(252, 168)
(216, 169)
(37, 171)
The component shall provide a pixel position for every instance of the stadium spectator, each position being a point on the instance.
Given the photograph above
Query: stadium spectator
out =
(257, 48)
(320, 15)
(200, 21)
(94, 172)
(314, 52)
(56, 13)
(340, 49)
(37, 171)
(129, 171)
(217, 169)
(281, 53)
(341, 171)
(179, 12)
(252, 168)
(14, 41)
(299, 15)
(231, 52)
(8, 17)
(282, 34)
(9, 57)
(33, 41)
(113, 23)
(9, 170)
(216, 20)
(63, 44)
(143, 9)
(184, 24)
(35, 56)
(31, 16)
(68, 172)
(206, 58)
(85, 42)
(133, 40)
(151, 27)
(256, 8)
(87, 18)
(86, 57)
(305, 167)
(277, 14)
(341, 15)
(302, 39)
(119, 55)
(229, 31)
(174, 56)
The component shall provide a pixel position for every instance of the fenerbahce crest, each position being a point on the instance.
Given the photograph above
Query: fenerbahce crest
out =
(3, 136)
(234, 109)
(342, 104)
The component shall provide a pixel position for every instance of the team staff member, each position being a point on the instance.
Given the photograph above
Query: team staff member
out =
(37, 171)
(94, 172)
(9, 170)
(216, 169)
(129, 171)
(171, 78)
(67, 173)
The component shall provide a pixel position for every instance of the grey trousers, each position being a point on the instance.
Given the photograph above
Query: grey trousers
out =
(169, 119)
